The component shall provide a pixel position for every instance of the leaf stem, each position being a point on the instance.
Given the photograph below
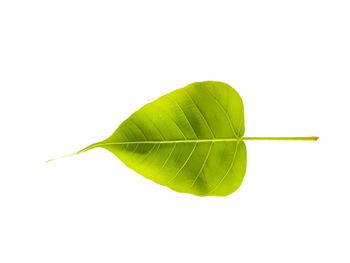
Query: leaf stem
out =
(311, 138)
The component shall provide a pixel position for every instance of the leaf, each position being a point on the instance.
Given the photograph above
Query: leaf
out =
(189, 140)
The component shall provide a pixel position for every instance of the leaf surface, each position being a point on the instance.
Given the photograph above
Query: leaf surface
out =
(189, 140)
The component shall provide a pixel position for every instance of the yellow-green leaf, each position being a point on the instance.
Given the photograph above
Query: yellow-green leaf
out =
(190, 140)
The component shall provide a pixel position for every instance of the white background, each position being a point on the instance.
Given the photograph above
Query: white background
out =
(72, 71)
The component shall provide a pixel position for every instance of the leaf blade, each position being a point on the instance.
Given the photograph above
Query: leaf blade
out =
(183, 140)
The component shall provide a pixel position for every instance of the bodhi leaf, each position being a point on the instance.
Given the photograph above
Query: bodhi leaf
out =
(189, 140)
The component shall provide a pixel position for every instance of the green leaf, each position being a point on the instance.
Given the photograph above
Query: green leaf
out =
(189, 140)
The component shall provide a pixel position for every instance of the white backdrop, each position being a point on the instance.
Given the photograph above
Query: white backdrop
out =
(72, 71)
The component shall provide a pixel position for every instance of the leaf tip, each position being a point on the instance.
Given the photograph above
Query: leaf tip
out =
(61, 157)
(49, 161)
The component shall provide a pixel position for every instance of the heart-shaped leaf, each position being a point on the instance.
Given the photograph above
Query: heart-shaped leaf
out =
(190, 140)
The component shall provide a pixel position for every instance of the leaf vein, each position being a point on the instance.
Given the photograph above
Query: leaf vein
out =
(137, 126)
(223, 109)
(204, 162)
(167, 159)
(150, 151)
(185, 117)
(161, 135)
(186, 161)
(177, 126)
(228, 170)
(200, 113)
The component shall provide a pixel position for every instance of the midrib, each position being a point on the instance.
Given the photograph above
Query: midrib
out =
(101, 144)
